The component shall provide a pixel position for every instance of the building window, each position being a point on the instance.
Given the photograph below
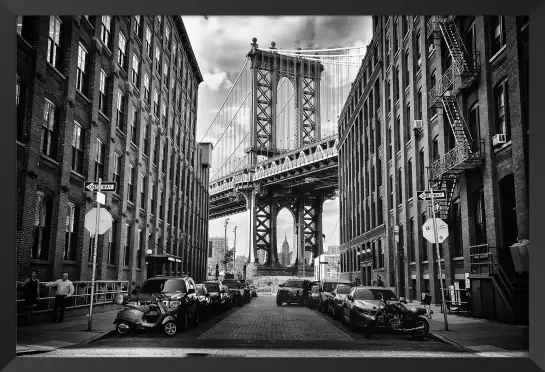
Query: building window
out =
(122, 52)
(25, 26)
(456, 225)
(161, 209)
(99, 160)
(156, 102)
(127, 251)
(479, 217)
(165, 73)
(423, 241)
(117, 169)
(105, 30)
(435, 149)
(152, 197)
(71, 239)
(158, 59)
(474, 122)
(406, 76)
(418, 114)
(410, 241)
(389, 101)
(164, 113)
(387, 50)
(20, 111)
(390, 143)
(50, 130)
(77, 148)
(381, 254)
(120, 112)
(408, 122)
(421, 171)
(396, 36)
(156, 150)
(410, 178)
(143, 183)
(396, 85)
(163, 159)
(134, 124)
(391, 199)
(138, 26)
(501, 101)
(103, 87)
(399, 134)
(399, 187)
(135, 69)
(54, 52)
(148, 43)
(174, 53)
(167, 36)
(418, 51)
(145, 139)
(82, 77)
(130, 184)
(147, 95)
(405, 25)
(497, 28)
(42, 226)
(141, 246)
(471, 41)
(112, 246)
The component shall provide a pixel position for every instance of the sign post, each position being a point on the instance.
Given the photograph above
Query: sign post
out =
(438, 259)
(95, 248)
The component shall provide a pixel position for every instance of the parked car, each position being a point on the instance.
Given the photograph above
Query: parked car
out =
(326, 287)
(176, 291)
(312, 299)
(236, 291)
(218, 296)
(293, 291)
(253, 290)
(337, 298)
(361, 305)
(204, 302)
(230, 297)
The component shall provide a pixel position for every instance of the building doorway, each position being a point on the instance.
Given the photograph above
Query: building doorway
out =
(508, 221)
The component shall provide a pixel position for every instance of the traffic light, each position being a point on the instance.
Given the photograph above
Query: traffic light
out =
(217, 271)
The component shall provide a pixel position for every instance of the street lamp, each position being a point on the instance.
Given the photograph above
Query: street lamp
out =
(234, 248)
(225, 253)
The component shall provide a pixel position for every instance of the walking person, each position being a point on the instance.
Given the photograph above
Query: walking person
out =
(380, 283)
(65, 289)
(31, 294)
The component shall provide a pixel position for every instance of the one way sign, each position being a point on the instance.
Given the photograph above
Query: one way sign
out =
(426, 195)
(105, 186)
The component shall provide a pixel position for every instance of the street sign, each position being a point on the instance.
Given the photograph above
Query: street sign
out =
(101, 198)
(442, 230)
(104, 224)
(426, 195)
(105, 186)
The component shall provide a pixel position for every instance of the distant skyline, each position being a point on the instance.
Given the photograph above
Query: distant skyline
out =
(220, 45)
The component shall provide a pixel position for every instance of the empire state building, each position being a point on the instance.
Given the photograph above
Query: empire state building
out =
(285, 255)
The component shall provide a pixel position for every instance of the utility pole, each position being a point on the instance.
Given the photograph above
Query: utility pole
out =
(235, 249)
(225, 248)
(95, 248)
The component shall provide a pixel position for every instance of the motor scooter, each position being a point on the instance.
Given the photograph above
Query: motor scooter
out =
(140, 317)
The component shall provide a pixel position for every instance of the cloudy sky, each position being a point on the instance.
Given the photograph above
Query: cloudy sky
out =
(221, 44)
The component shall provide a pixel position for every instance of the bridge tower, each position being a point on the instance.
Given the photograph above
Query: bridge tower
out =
(268, 68)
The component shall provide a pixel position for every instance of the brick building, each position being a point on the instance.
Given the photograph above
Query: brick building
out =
(216, 250)
(111, 97)
(440, 101)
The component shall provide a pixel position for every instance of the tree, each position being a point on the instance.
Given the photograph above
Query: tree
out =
(227, 257)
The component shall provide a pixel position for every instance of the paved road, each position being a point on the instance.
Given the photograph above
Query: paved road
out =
(261, 328)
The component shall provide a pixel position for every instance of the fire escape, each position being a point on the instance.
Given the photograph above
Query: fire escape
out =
(468, 152)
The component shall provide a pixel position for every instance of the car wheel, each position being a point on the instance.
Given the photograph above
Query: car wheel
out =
(170, 328)
(123, 328)
(278, 302)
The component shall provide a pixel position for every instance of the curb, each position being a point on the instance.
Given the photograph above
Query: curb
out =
(98, 337)
(447, 340)
(31, 352)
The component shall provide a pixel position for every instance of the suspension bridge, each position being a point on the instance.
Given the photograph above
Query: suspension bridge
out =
(275, 143)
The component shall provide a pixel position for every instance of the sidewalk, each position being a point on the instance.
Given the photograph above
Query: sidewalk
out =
(44, 337)
(480, 335)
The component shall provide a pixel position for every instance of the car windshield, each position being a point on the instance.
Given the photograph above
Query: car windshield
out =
(199, 288)
(163, 285)
(212, 287)
(293, 284)
(233, 285)
(343, 289)
(388, 294)
(315, 289)
(364, 295)
(329, 286)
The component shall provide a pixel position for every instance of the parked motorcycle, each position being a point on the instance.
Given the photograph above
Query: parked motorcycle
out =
(396, 317)
(140, 317)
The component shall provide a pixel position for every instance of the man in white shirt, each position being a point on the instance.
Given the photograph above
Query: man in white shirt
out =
(65, 289)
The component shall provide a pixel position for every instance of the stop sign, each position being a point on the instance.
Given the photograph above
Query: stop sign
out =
(442, 230)
(104, 223)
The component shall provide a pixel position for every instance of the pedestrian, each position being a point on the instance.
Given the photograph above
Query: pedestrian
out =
(135, 288)
(380, 283)
(65, 289)
(31, 294)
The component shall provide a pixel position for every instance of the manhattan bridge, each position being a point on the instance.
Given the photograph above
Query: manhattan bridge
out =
(275, 144)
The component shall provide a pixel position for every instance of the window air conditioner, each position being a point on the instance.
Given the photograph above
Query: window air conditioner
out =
(417, 124)
(498, 139)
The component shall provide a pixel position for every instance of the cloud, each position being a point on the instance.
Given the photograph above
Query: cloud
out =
(217, 80)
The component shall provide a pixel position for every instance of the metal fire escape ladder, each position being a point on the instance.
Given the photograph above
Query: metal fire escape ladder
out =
(467, 153)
